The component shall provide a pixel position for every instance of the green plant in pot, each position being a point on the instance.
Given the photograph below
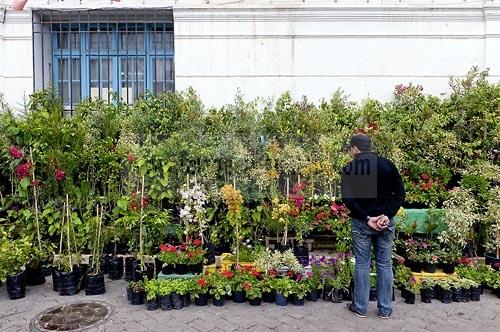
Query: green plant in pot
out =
(427, 290)
(168, 256)
(219, 286)
(492, 220)
(300, 288)
(137, 291)
(282, 286)
(411, 287)
(200, 290)
(152, 288)
(14, 255)
(253, 291)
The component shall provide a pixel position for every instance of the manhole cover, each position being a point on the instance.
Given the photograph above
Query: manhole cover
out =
(78, 316)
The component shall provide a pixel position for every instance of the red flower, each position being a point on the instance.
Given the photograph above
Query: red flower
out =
(247, 285)
(256, 274)
(163, 247)
(182, 247)
(130, 157)
(60, 174)
(227, 274)
(172, 248)
(197, 242)
(15, 152)
(23, 170)
(201, 282)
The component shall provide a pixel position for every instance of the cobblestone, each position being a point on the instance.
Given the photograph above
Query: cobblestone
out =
(313, 316)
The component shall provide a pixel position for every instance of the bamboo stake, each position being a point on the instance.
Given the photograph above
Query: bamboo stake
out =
(141, 243)
(68, 235)
(98, 264)
(62, 229)
(36, 204)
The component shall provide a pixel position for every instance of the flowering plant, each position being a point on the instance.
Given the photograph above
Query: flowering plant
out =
(195, 253)
(199, 286)
(218, 284)
(168, 254)
(193, 211)
(253, 289)
(281, 213)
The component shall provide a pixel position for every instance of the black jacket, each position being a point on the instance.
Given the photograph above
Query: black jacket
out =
(371, 185)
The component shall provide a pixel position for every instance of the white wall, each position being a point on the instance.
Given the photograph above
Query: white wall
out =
(310, 47)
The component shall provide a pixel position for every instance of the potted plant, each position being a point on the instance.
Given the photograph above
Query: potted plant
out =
(237, 282)
(200, 290)
(14, 255)
(427, 290)
(444, 290)
(456, 290)
(94, 283)
(183, 288)
(467, 286)
(299, 290)
(401, 275)
(314, 285)
(253, 291)
(219, 286)
(196, 256)
(411, 288)
(151, 288)
(180, 288)
(168, 256)
(136, 292)
(282, 287)
(430, 261)
(165, 289)
(181, 263)
(448, 258)
(268, 295)
(492, 219)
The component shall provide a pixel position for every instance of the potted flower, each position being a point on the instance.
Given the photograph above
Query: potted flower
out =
(282, 287)
(237, 285)
(136, 292)
(168, 256)
(299, 290)
(314, 281)
(411, 288)
(427, 290)
(151, 288)
(430, 261)
(14, 255)
(253, 291)
(181, 264)
(219, 286)
(196, 256)
(200, 289)
(165, 290)
(268, 295)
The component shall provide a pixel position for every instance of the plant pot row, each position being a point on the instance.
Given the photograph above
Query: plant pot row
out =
(70, 283)
(430, 267)
(444, 295)
(182, 269)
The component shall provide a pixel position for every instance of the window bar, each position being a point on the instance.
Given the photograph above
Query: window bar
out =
(80, 52)
(62, 59)
(144, 62)
(70, 85)
(164, 39)
(154, 63)
(99, 82)
(89, 68)
(126, 72)
(118, 58)
(172, 66)
(108, 43)
(136, 58)
(42, 33)
(33, 51)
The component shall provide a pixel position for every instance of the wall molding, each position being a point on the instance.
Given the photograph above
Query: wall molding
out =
(337, 36)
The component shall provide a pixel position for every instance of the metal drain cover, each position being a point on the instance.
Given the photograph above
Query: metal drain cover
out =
(78, 316)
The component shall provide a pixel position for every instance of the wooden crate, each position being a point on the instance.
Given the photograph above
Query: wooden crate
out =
(437, 275)
(226, 264)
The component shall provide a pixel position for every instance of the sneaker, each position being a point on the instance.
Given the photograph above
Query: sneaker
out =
(385, 316)
(350, 307)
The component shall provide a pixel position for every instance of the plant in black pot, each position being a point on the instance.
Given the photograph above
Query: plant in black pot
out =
(94, 284)
(151, 287)
(492, 223)
(282, 287)
(181, 263)
(196, 256)
(34, 269)
(165, 289)
(182, 287)
(467, 286)
(413, 254)
(411, 287)
(456, 290)
(199, 289)
(427, 290)
(14, 255)
(219, 286)
(430, 261)
(136, 292)
(445, 290)
(448, 258)
(168, 256)
(314, 285)
(299, 290)
(268, 295)
(253, 291)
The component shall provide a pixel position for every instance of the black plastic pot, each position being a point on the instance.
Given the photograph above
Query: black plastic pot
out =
(326, 295)
(430, 268)
(347, 294)
(181, 269)
(466, 294)
(313, 295)
(69, 283)
(336, 295)
(239, 296)
(104, 264)
(133, 270)
(16, 285)
(255, 302)
(297, 301)
(445, 295)
(403, 293)
(475, 294)
(35, 275)
(492, 259)
(281, 248)
(56, 278)
(448, 267)
(196, 268)
(209, 252)
(373, 294)
(136, 298)
(301, 252)
(437, 292)
(410, 298)
(414, 266)
(426, 295)
(115, 267)
(152, 304)
(456, 294)
(82, 271)
(220, 302)
(94, 284)
(129, 294)
(167, 269)
(201, 300)
(149, 271)
(176, 301)
(268, 297)
(280, 299)
(165, 302)
(186, 300)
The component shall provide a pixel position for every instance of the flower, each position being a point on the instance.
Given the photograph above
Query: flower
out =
(201, 282)
(197, 242)
(172, 248)
(15, 152)
(35, 183)
(227, 274)
(163, 247)
(130, 157)
(246, 285)
(60, 174)
(22, 170)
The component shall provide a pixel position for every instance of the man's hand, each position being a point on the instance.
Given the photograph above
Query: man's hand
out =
(373, 223)
(383, 222)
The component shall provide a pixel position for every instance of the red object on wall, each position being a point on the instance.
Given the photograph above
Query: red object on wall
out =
(18, 4)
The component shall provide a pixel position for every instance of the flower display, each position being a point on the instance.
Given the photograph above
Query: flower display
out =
(60, 174)
(23, 170)
(16, 153)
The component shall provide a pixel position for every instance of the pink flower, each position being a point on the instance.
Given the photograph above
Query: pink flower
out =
(130, 157)
(15, 152)
(197, 242)
(163, 247)
(60, 174)
(23, 170)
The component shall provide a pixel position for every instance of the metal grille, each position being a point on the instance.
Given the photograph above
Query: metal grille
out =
(108, 54)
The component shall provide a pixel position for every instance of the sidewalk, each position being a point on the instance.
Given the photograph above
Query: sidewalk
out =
(320, 316)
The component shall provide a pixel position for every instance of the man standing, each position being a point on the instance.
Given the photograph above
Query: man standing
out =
(373, 191)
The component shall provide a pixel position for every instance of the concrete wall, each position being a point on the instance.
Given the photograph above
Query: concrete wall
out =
(310, 47)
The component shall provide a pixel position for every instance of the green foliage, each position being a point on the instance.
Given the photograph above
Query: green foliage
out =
(283, 285)
(152, 288)
(14, 255)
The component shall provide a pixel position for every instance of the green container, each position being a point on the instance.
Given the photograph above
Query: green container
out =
(423, 219)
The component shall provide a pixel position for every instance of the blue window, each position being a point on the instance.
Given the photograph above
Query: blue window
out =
(107, 60)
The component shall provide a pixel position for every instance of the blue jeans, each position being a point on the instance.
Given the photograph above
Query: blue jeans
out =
(363, 237)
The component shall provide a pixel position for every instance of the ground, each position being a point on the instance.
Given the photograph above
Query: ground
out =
(483, 316)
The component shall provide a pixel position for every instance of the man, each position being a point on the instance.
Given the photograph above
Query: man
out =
(373, 191)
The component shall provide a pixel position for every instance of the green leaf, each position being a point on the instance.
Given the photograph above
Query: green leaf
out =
(25, 182)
